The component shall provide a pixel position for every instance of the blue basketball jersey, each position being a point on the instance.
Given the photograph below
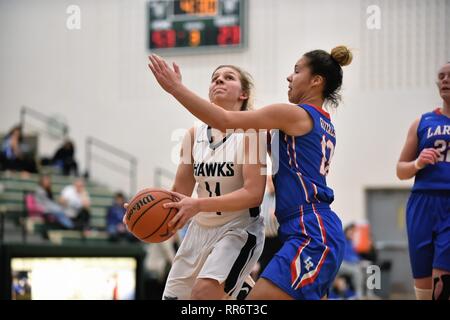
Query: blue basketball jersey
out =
(303, 163)
(434, 132)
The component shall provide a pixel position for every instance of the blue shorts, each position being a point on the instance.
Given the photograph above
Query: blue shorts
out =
(312, 252)
(428, 223)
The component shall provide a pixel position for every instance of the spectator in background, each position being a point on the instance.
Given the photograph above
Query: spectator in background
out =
(21, 287)
(352, 265)
(51, 209)
(341, 290)
(15, 154)
(271, 244)
(114, 224)
(76, 202)
(64, 159)
(157, 264)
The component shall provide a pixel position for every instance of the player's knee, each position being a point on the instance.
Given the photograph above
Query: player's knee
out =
(441, 287)
(423, 294)
(206, 289)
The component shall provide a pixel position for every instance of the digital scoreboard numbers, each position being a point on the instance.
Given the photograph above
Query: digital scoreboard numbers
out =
(193, 25)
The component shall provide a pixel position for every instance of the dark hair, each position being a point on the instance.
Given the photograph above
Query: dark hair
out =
(16, 127)
(119, 195)
(349, 227)
(48, 189)
(68, 144)
(328, 66)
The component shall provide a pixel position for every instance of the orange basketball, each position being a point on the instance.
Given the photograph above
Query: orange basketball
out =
(146, 218)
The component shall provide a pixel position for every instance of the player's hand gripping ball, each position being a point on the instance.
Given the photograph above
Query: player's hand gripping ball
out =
(146, 218)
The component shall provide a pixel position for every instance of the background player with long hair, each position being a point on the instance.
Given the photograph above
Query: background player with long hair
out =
(312, 236)
(226, 235)
(426, 156)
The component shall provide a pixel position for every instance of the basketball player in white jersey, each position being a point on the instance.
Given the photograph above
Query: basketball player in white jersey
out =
(226, 235)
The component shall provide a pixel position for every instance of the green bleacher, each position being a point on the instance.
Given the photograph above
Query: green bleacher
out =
(13, 188)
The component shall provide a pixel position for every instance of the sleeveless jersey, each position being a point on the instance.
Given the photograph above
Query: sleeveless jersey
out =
(434, 132)
(218, 171)
(303, 163)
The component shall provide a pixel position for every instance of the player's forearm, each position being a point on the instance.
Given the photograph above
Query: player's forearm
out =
(234, 201)
(199, 107)
(185, 189)
(406, 170)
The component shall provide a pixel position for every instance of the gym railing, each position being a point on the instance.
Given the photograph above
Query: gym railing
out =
(47, 120)
(131, 171)
(161, 173)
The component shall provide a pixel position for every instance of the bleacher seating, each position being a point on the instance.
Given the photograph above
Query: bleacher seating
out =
(13, 188)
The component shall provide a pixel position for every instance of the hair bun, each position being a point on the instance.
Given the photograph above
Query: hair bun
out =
(342, 55)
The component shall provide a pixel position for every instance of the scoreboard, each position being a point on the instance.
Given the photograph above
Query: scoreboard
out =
(190, 25)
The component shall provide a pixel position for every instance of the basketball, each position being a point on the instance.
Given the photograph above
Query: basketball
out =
(146, 218)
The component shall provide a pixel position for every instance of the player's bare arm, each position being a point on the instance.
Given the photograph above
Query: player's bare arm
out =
(184, 179)
(409, 164)
(287, 117)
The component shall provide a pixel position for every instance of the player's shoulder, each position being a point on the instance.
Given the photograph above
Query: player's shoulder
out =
(191, 131)
(284, 108)
(190, 134)
(431, 115)
(315, 110)
(198, 128)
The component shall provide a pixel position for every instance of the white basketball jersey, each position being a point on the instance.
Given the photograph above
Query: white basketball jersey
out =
(218, 171)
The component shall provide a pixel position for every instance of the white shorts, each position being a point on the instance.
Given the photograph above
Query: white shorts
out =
(226, 253)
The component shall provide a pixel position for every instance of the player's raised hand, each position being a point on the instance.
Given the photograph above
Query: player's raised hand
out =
(167, 78)
(426, 157)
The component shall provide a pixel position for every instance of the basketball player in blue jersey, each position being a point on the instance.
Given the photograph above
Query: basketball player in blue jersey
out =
(426, 155)
(312, 235)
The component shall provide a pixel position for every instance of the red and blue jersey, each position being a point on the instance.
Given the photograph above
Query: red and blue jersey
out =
(303, 164)
(312, 236)
(434, 132)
